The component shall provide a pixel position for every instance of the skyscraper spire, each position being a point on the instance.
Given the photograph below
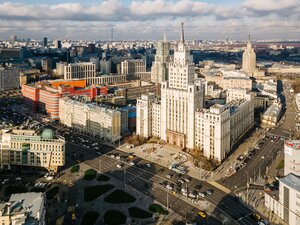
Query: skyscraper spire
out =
(249, 39)
(165, 36)
(182, 33)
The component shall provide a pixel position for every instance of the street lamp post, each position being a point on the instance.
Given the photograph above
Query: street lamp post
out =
(247, 188)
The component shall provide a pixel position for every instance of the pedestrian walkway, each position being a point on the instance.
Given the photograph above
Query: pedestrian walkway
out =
(219, 186)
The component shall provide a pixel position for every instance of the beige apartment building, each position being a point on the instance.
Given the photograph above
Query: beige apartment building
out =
(95, 120)
(27, 148)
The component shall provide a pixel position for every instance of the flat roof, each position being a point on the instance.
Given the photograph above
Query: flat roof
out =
(292, 181)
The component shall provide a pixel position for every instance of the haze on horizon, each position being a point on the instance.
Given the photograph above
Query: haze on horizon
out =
(145, 19)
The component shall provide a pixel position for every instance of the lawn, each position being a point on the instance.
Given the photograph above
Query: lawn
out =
(280, 165)
(102, 177)
(89, 218)
(114, 217)
(139, 213)
(75, 169)
(90, 174)
(156, 208)
(14, 190)
(93, 192)
(119, 196)
(52, 192)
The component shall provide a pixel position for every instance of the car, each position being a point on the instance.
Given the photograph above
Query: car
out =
(169, 176)
(188, 179)
(209, 192)
(202, 214)
(119, 165)
(169, 187)
(241, 157)
(192, 195)
(181, 181)
(131, 156)
(112, 156)
(118, 157)
(49, 178)
(255, 216)
(132, 163)
(18, 178)
(148, 165)
(183, 190)
(202, 194)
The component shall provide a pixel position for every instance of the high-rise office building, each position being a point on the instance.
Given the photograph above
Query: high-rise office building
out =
(159, 70)
(173, 118)
(83, 70)
(249, 59)
(135, 69)
(45, 41)
(57, 44)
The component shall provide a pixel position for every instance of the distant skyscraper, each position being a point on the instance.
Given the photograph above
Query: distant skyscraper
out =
(57, 44)
(45, 41)
(159, 70)
(91, 48)
(249, 59)
(13, 38)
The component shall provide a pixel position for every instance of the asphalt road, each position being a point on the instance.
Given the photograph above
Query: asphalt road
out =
(257, 166)
(138, 176)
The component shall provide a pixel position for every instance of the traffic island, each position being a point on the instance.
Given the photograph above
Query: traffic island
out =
(156, 208)
(102, 177)
(118, 197)
(90, 174)
(93, 192)
(114, 217)
(89, 218)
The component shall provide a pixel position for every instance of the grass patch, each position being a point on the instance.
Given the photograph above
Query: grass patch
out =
(139, 213)
(14, 190)
(93, 192)
(37, 189)
(114, 217)
(89, 218)
(52, 192)
(75, 169)
(103, 177)
(119, 196)
(280, 165)
(90, 174)
(156, 208)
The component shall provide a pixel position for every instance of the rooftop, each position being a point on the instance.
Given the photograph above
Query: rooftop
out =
(292, 181)
(295, 144)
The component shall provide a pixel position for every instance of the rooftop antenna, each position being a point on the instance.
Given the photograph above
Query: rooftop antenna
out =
(182, 33)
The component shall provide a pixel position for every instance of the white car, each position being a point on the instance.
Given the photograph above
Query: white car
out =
(183, 190)
(201, 194)
(187, 180)
(169, 187)
(118, 157)
(148, 165)
(112, 155)
(18, 178)
(131, 163)
(49, 178)
(119, 166)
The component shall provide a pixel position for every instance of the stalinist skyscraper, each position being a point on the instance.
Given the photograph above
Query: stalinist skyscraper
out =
(173, 117)
(249, 59)
(159, 70)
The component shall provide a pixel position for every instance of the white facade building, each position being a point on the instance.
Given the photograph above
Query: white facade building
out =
(220, 127)
(92, 119)
(238, 93)
(291, 157)
(249, 59)
(286, 202)
(26, 148)
(159, 70)
(83, 70)
(135, 69)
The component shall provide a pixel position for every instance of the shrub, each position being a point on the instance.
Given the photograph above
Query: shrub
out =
(75, 169)
(90, 174)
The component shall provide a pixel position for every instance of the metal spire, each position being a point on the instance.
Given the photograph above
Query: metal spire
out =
(182, 33)
(249, 39)
(165, 36)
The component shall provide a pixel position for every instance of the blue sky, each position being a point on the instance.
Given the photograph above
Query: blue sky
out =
(147, 19)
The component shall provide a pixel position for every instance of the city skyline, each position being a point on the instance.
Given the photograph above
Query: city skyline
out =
(76, 19)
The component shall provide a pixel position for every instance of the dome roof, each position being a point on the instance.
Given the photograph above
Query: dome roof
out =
(48, 134)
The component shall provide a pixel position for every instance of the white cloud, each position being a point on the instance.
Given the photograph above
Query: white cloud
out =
(148, 19)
